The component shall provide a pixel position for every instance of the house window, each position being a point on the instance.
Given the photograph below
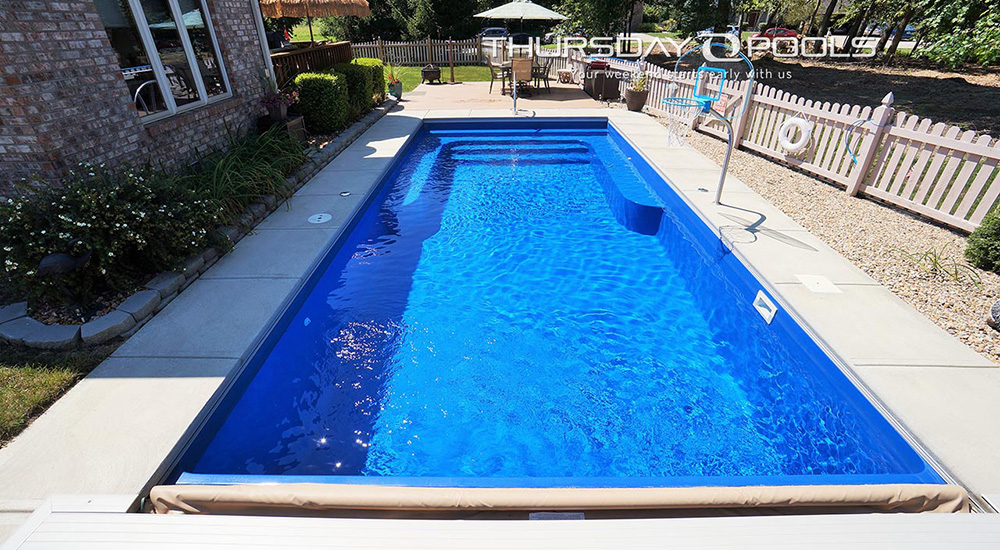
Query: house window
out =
(169, 67)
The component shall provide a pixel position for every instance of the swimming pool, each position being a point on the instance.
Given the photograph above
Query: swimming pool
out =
(529, 304)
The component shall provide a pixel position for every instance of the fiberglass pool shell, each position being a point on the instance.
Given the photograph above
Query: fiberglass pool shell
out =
(530, 304)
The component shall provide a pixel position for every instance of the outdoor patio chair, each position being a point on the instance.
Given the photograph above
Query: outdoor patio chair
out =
(540, 74)
(501, 73)
(522, 75)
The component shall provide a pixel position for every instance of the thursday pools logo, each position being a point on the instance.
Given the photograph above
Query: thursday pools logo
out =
(626, 47)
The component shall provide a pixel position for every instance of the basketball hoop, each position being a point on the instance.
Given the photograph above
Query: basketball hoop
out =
(709, 84)
(681, 113)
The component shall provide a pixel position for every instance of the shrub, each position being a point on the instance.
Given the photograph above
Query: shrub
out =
(983, 246)
(359, 88)
(135, 222)
(648, 27)
(377, 70)
(249, 168)
(323, 101)
(979, 45)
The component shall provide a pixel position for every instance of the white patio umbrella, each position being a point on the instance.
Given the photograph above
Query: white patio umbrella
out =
(522, 9)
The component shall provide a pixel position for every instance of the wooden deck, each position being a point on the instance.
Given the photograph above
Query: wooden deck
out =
(61, 528)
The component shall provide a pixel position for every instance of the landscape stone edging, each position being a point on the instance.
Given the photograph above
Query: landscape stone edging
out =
(132, 314)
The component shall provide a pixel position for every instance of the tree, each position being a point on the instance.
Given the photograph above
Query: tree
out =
(904, 21)
(596, 17)
(695, 15)
(409, 20)
(387, 20)
(277, 24)
(824, 27)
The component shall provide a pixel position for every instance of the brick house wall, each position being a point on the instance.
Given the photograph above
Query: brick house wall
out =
(63, 99)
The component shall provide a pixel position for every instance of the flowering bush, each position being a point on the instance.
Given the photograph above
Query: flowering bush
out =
(275, 99)
(638, 82)
(391, 76)
(135, 222)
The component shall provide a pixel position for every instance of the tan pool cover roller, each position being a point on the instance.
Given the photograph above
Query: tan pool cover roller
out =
(310, 498)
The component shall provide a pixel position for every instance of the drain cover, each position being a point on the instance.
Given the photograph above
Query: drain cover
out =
(320, 218)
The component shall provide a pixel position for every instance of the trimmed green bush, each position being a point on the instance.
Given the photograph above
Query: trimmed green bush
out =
(323, 101)
(359, 88)
(134, 222)
(983, 246)
(377, 69)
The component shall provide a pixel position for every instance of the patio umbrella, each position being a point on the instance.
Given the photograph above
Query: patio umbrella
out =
(313, 8)
(522, 9)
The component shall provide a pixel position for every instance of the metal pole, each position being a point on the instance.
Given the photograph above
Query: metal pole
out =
(309, 22)
(513, 90)
(729, 152)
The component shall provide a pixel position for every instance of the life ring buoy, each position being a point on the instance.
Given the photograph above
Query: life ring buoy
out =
(788, 128)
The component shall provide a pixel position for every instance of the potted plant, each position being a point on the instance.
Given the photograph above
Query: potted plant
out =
(636, 93)
(395, 85)
(277, 103)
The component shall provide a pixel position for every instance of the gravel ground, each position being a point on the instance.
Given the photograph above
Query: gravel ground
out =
(880, 240)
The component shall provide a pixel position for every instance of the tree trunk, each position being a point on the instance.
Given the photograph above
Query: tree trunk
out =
(900, 29)
(883, 40)
(856, 28)
(723, 16)
(812, 19)
(824, 27)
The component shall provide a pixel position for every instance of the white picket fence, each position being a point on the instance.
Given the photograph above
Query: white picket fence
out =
(934, 170)
(472, 51)
(437, 52)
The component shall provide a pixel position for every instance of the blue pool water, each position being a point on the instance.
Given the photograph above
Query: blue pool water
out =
(533, 305)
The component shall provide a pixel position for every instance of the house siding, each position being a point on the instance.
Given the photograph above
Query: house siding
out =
(63, 99)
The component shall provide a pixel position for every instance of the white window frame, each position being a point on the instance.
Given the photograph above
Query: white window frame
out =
(139, 17)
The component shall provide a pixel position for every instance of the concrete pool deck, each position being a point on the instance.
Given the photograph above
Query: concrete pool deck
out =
(118, 430)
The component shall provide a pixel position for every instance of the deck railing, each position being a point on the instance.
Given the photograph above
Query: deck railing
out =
(321, 57)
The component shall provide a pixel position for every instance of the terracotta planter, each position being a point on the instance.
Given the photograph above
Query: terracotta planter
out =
(635, 100)
(278, 113)
(396, 90)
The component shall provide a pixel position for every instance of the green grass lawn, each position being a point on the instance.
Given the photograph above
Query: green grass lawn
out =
(31, 380)
(672, 34)
(301, 33)
(410, 76)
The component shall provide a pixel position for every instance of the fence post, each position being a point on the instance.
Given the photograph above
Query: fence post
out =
(741, 123)
(869, 144)
(430, 52)
(381, 48)
(451, 58)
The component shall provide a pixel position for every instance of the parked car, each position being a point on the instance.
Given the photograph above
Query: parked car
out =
(494, 32)
(878, 30)
(520, 38)
(777, 32)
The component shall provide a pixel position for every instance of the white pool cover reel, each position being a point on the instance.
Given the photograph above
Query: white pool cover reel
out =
(314, 498)
(791, 127)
